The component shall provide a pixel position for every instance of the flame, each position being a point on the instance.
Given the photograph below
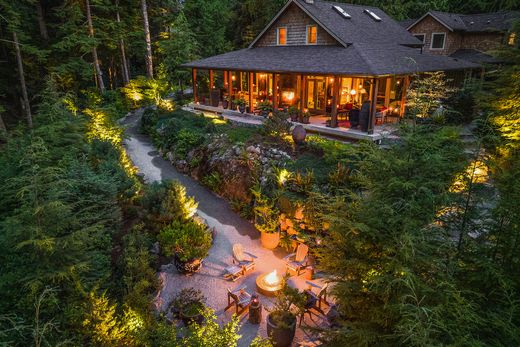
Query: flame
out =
(272, 278)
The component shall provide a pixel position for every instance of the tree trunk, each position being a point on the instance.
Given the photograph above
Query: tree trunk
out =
(148, 58)
(41, 21)
(126, 74)
(99, 74)
(2, 124)
(21, 75)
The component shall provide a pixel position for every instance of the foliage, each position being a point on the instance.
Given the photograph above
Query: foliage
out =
(139, 278)
(187, 240)
(211, 333)
(426, 94)
(462, 105)
(190, 301)
(167, 201)
(265, 211)
(386, 257)
(265, 106)
(277, 125)
(286, 298)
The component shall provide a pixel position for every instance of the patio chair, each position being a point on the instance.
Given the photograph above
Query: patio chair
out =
(239, 258)
(297, 261)
(238, 297)
(314, 301)
(241, 264)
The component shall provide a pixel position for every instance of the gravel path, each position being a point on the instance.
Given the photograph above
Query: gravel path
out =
(230, 229)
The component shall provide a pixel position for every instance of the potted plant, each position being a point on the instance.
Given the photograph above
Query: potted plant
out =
(241, 103)
(281, 321)
(266, 219)
(225, 101)
(189, 305)
(265, 108)
(188, 242)
(305, 117)
(294, 112)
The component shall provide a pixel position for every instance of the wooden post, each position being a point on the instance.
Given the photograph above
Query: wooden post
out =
(275, 92)
(195, 87)
(372, 114)
(304, 93)
(250, 85)
(211, 87)
(334, 105)
(402, 107)
(230, 93)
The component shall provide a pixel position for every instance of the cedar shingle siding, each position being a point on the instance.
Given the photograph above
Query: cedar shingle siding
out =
(296, 21)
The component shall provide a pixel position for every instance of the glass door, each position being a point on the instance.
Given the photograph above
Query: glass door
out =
(316, 94)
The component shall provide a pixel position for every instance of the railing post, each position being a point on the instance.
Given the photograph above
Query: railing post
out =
(250, 85)
(335, 100)
(372, 114)
(211, 87)
(275, 92)
(195, 87)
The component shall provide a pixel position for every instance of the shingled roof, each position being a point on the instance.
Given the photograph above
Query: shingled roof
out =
(360, 28)
(359, 59)
(484, 22)
(367, 47)
(475, 56)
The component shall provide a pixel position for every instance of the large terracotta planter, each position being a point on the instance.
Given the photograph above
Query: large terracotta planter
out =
(281, 337)
(270, 240)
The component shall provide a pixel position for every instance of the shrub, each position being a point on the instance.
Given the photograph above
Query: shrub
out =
(277, 125)
(186, 140)
(187, 240)
(191, 301)
(462, 106)
(167, 201)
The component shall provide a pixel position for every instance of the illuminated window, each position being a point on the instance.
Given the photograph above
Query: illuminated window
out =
(281, 36)
(438, 40)
(512, 39)
(312, 34)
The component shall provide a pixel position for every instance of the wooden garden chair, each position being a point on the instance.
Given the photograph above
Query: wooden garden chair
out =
(240, 259)
(297, 261)
(238, 297)
(241, 263)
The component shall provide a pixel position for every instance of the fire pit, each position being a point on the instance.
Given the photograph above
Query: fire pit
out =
(269, 283)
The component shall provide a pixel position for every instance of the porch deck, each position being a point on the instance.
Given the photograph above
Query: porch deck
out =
(317, 125)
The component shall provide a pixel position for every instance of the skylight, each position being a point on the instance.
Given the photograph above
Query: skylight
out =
(373, 15)
(342, 11)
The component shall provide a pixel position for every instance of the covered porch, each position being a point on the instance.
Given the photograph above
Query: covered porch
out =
(357, 103)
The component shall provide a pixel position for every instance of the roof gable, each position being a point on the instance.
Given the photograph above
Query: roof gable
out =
(282, 12)
(359, 27)
(496, 21)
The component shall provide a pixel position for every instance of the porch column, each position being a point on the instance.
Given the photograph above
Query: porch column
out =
(334, 106)
(372, 114)
(275, 92)
(230, 89)
(195, 87)
(302, 87)
(304, 92)
(250, 84)
(211, 87)
(406, 84)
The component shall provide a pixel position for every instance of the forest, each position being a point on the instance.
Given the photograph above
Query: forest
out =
(429, 257)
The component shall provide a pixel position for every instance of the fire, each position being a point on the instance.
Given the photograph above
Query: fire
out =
(272, 278)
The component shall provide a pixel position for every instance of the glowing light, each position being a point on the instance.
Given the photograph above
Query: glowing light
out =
(283, 176)
(353, 92)
(331, 80)
(287, 96)
(272, 278)
(476, 172)
(233, 78)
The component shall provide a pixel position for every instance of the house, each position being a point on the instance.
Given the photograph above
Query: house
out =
(345, 64)
(464, 36)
